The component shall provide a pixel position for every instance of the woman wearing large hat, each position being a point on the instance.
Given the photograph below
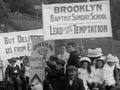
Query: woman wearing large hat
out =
(84, 70)
(93, 54)
(109, 72)
(96, 79)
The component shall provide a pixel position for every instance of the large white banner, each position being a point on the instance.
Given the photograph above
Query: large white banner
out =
(77, 20)
(17, 44)
(40, 52)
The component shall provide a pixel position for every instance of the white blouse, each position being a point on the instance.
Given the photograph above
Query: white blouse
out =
(96, 76)
(84, 75)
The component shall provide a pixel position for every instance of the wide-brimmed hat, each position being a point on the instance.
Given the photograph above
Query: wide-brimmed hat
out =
(85, 59)
(102, 58)
(111, 58)
(71, 67)
(97, 52)
(12, 60)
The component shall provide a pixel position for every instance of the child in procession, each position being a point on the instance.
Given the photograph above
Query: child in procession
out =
(109, 72)
(93, 54)
(84, 70)
(96, 80)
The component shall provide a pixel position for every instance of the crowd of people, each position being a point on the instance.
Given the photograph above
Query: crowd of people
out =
(16, 74)
(66, 71)
(70, 71)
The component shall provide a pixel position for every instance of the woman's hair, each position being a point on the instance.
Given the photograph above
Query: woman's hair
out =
(89, 66)
(93, 58)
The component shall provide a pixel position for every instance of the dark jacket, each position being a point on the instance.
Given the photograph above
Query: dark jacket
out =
(12, 71)
(64, 85)
(73, 59)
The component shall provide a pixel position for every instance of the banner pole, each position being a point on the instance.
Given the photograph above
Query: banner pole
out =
(2, 68)
(82, 47)
(116, 71)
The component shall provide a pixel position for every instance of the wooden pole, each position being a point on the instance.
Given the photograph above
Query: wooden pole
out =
(116, 70)
(2, 68)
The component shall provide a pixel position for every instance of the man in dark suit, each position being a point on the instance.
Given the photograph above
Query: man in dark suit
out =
(70, 81)
(74, 55)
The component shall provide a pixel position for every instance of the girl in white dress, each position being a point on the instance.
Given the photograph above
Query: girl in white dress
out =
(96, 79)
(84, 70)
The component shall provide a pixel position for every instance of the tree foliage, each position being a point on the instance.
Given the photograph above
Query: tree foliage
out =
(21, 6)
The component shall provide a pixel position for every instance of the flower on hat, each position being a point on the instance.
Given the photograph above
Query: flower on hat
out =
(117, 60)
(111, 58)
(94, 52)
(85, 59)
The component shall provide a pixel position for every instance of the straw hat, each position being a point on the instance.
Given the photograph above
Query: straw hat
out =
(85, 59)
(111, 58)
(97, 52)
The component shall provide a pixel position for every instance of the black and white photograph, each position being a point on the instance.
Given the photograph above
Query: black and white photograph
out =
(59, 44)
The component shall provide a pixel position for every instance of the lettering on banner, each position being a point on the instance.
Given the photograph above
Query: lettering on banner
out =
(23, 39)
(78, 8)
(8, 40)
(18, 49)
(43, 45)
(18, 39)
(77, 13)
(17, 44)
(79, 29)
(77, 20)
(78, 17)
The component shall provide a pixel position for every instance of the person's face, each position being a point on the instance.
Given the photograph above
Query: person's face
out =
(99, 64)
(59, 66)
(69, 48)
(62, 49)
(72, 74)
(85, 65)
(110, 63)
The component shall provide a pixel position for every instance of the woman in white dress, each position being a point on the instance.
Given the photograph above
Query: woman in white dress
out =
(84, 71)
(109, 68)
(96, 79)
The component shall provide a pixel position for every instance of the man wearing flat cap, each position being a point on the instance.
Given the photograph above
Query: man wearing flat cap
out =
(71, 80)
